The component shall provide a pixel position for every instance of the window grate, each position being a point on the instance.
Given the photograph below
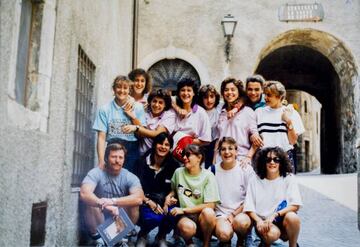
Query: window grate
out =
(83, 154)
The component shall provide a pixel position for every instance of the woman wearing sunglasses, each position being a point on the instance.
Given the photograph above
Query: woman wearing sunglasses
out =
(159, 119)
(195, 189)
(273, 198)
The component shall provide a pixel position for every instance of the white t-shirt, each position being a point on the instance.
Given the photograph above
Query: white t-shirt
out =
(232, 186)
(195, 124)
(273, 130)
(263, 196)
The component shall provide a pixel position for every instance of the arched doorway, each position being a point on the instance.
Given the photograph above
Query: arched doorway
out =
(318, 63)
(167, 73)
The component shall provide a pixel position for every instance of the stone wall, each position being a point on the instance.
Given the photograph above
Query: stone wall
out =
(37, 143)
(193, 28)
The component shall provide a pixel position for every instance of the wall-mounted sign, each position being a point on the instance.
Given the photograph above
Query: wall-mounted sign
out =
(301, 12)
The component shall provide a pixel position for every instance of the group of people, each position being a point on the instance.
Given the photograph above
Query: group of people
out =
(196, 164)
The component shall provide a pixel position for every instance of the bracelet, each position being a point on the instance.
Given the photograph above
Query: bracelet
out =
(233, 215)
(137, 128)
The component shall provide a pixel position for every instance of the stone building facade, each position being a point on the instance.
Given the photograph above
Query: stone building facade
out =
(53, 54)
(320, 58)
(308, 144)
(58, 59)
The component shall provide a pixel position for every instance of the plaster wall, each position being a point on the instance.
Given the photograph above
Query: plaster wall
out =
(195, 26)
(37, 162)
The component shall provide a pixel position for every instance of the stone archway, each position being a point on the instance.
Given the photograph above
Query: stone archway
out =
(320, 64)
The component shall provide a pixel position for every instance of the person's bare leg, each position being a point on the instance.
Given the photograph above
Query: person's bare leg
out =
(93, 218)
(241, 226)
(207, 222)
(292, 227)
(223, 230)
(186, 229)
(133, 213)
(271, 236)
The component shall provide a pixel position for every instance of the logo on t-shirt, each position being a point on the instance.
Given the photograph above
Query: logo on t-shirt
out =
(188, 192)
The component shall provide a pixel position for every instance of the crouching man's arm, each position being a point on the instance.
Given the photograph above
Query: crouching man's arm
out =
(88, 196)
(135, 198)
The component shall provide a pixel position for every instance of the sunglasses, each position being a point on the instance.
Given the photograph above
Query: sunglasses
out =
(186, 154)
(275, 159)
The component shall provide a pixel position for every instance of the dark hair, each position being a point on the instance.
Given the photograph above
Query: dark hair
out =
(260, 161)
(162, 95)
(195, 149)
(255, 78)
(137, 72)
(113, 147)
(239, 85)
(229, 140)
(205, 91)
(159, 139)
(189, 83)
(120, 78)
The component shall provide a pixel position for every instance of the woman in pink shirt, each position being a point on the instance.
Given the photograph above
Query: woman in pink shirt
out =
(242, 125)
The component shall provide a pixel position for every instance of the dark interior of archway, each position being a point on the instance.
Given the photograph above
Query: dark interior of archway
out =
(302, 68)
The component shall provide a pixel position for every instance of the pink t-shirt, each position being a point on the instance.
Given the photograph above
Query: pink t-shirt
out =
(166, 119)
(195, 124)
(240, 127)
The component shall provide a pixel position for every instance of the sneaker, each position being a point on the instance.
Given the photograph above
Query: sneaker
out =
(100, 242)
(141, 242)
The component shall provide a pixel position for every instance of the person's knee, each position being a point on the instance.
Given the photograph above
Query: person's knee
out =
(187, 228)
(242, 223)
(133, 213)
(272, 235)
(207, 215)
(224, 235)
(291, 219)
(223, 230)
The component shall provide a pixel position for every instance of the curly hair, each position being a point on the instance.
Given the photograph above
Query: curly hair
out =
(186, 82)
(138, 72)
(159, 93)
(239, 85)
(260, 161)
(205, 91)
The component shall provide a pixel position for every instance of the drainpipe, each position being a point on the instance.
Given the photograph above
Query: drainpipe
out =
(135, 33)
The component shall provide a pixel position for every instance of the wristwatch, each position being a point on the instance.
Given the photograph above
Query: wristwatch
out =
(114, 201)
(137, 127)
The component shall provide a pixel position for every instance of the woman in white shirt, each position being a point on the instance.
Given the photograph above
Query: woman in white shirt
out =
(273, 198)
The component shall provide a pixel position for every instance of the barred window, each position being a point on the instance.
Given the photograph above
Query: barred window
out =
(29, 43)
(83, 155)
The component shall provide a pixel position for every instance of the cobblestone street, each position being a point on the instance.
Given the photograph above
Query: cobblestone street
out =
(325, 222)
